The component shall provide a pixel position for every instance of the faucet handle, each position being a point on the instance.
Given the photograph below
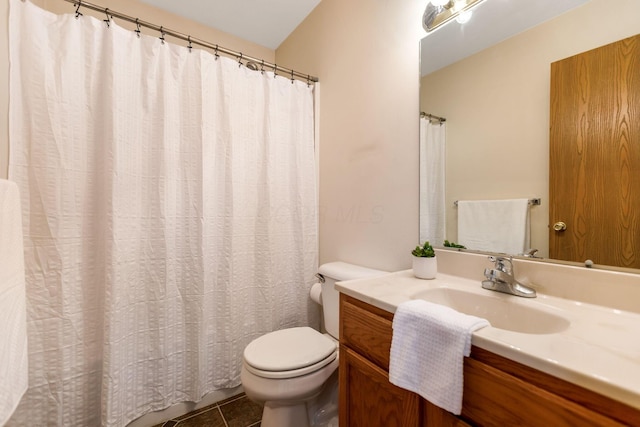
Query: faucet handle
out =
(500, 263)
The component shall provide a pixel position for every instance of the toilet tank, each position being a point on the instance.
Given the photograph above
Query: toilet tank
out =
(335, 272)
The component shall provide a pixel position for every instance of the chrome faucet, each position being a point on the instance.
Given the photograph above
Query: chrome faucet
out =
(502, 279)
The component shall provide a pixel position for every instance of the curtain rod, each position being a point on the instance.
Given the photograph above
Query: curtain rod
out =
(432, 117)
(257, 64)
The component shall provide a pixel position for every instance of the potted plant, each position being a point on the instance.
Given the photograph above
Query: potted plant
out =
(424, 261)
(448, 244)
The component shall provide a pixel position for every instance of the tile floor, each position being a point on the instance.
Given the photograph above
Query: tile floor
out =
(237, 411)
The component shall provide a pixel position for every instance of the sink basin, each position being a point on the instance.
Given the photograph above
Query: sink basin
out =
(502, 311)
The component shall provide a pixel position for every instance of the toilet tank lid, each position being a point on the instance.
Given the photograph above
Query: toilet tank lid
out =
(344, 271)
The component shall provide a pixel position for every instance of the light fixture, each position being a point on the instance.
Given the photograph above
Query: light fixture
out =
(464, 16)
(437, 15)
(457, 5)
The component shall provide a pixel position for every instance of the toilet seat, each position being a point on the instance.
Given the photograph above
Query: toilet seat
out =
(289, 353)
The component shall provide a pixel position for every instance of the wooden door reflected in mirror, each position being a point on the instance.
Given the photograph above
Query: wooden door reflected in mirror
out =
(594, 169)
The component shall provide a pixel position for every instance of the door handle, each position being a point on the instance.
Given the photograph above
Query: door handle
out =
(559, 226)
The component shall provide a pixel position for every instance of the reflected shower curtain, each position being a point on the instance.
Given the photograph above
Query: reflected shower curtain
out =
(432, 181)
(169, 216)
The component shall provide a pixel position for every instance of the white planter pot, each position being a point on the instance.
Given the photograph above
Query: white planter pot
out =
(425, 268)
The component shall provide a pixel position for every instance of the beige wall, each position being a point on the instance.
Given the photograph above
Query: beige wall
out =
(128, 7)
(366, 56)
(4, 88)
(497, 108)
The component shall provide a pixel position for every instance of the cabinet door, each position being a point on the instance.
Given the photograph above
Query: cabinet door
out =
(368, 399)
(438, 417)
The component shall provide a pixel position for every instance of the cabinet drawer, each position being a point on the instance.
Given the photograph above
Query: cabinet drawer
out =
(366, 329)
(495, 398)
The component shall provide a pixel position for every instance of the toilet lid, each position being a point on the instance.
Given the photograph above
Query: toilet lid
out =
(288, 349)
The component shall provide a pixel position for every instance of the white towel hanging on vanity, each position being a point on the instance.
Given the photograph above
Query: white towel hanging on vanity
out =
(494, 225)
(428, 347)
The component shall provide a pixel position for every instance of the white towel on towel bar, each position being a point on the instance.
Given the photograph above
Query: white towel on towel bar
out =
(494, 225)
(428, 346)
(13, 320)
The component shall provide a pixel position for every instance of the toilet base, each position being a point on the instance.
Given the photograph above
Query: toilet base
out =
(285, 416)
(317, 411)
(305, 401)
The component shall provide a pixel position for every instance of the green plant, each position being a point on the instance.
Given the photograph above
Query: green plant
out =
(424, 251)
(448, 244)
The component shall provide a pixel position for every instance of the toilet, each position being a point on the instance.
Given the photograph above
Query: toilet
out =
(294, 372)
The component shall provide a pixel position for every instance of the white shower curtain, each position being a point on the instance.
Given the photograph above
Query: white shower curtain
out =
(169, 215)
(432, 181)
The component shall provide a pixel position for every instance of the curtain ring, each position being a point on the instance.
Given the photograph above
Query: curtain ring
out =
(162, 34)
(240, 60)
(262, 67)
(275, 70)
(189, 46)
(292, 80)
(108, 20)
(78, 13)
(137, 28)
(216, 53)
(308, 80)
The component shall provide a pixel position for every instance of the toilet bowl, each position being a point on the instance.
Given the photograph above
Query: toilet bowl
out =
(294, 372)
(285, 370)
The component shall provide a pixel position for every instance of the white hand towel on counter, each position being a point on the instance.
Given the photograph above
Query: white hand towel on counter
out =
(427, 351)
(494, 225)
(13, 322)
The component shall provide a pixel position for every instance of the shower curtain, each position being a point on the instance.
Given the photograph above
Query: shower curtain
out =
(169, 210)
(432, 181)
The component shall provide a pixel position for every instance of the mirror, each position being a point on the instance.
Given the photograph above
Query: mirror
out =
(490, 79)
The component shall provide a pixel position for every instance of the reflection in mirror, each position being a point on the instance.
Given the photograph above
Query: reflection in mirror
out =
(440, 12)
(432, 178)
(490, 79)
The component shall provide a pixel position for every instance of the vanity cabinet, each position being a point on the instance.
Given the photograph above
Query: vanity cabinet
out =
(367, 398)
(497, 391)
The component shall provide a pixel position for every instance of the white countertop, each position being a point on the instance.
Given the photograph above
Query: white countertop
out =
(600, 350)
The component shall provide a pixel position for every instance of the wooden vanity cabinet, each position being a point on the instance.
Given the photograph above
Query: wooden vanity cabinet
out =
(497, 391)
(367, 398)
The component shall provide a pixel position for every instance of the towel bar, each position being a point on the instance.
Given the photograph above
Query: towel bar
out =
(532, 202)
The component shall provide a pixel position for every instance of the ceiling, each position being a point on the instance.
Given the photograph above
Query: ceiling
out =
(492, 22)
(265, 22)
